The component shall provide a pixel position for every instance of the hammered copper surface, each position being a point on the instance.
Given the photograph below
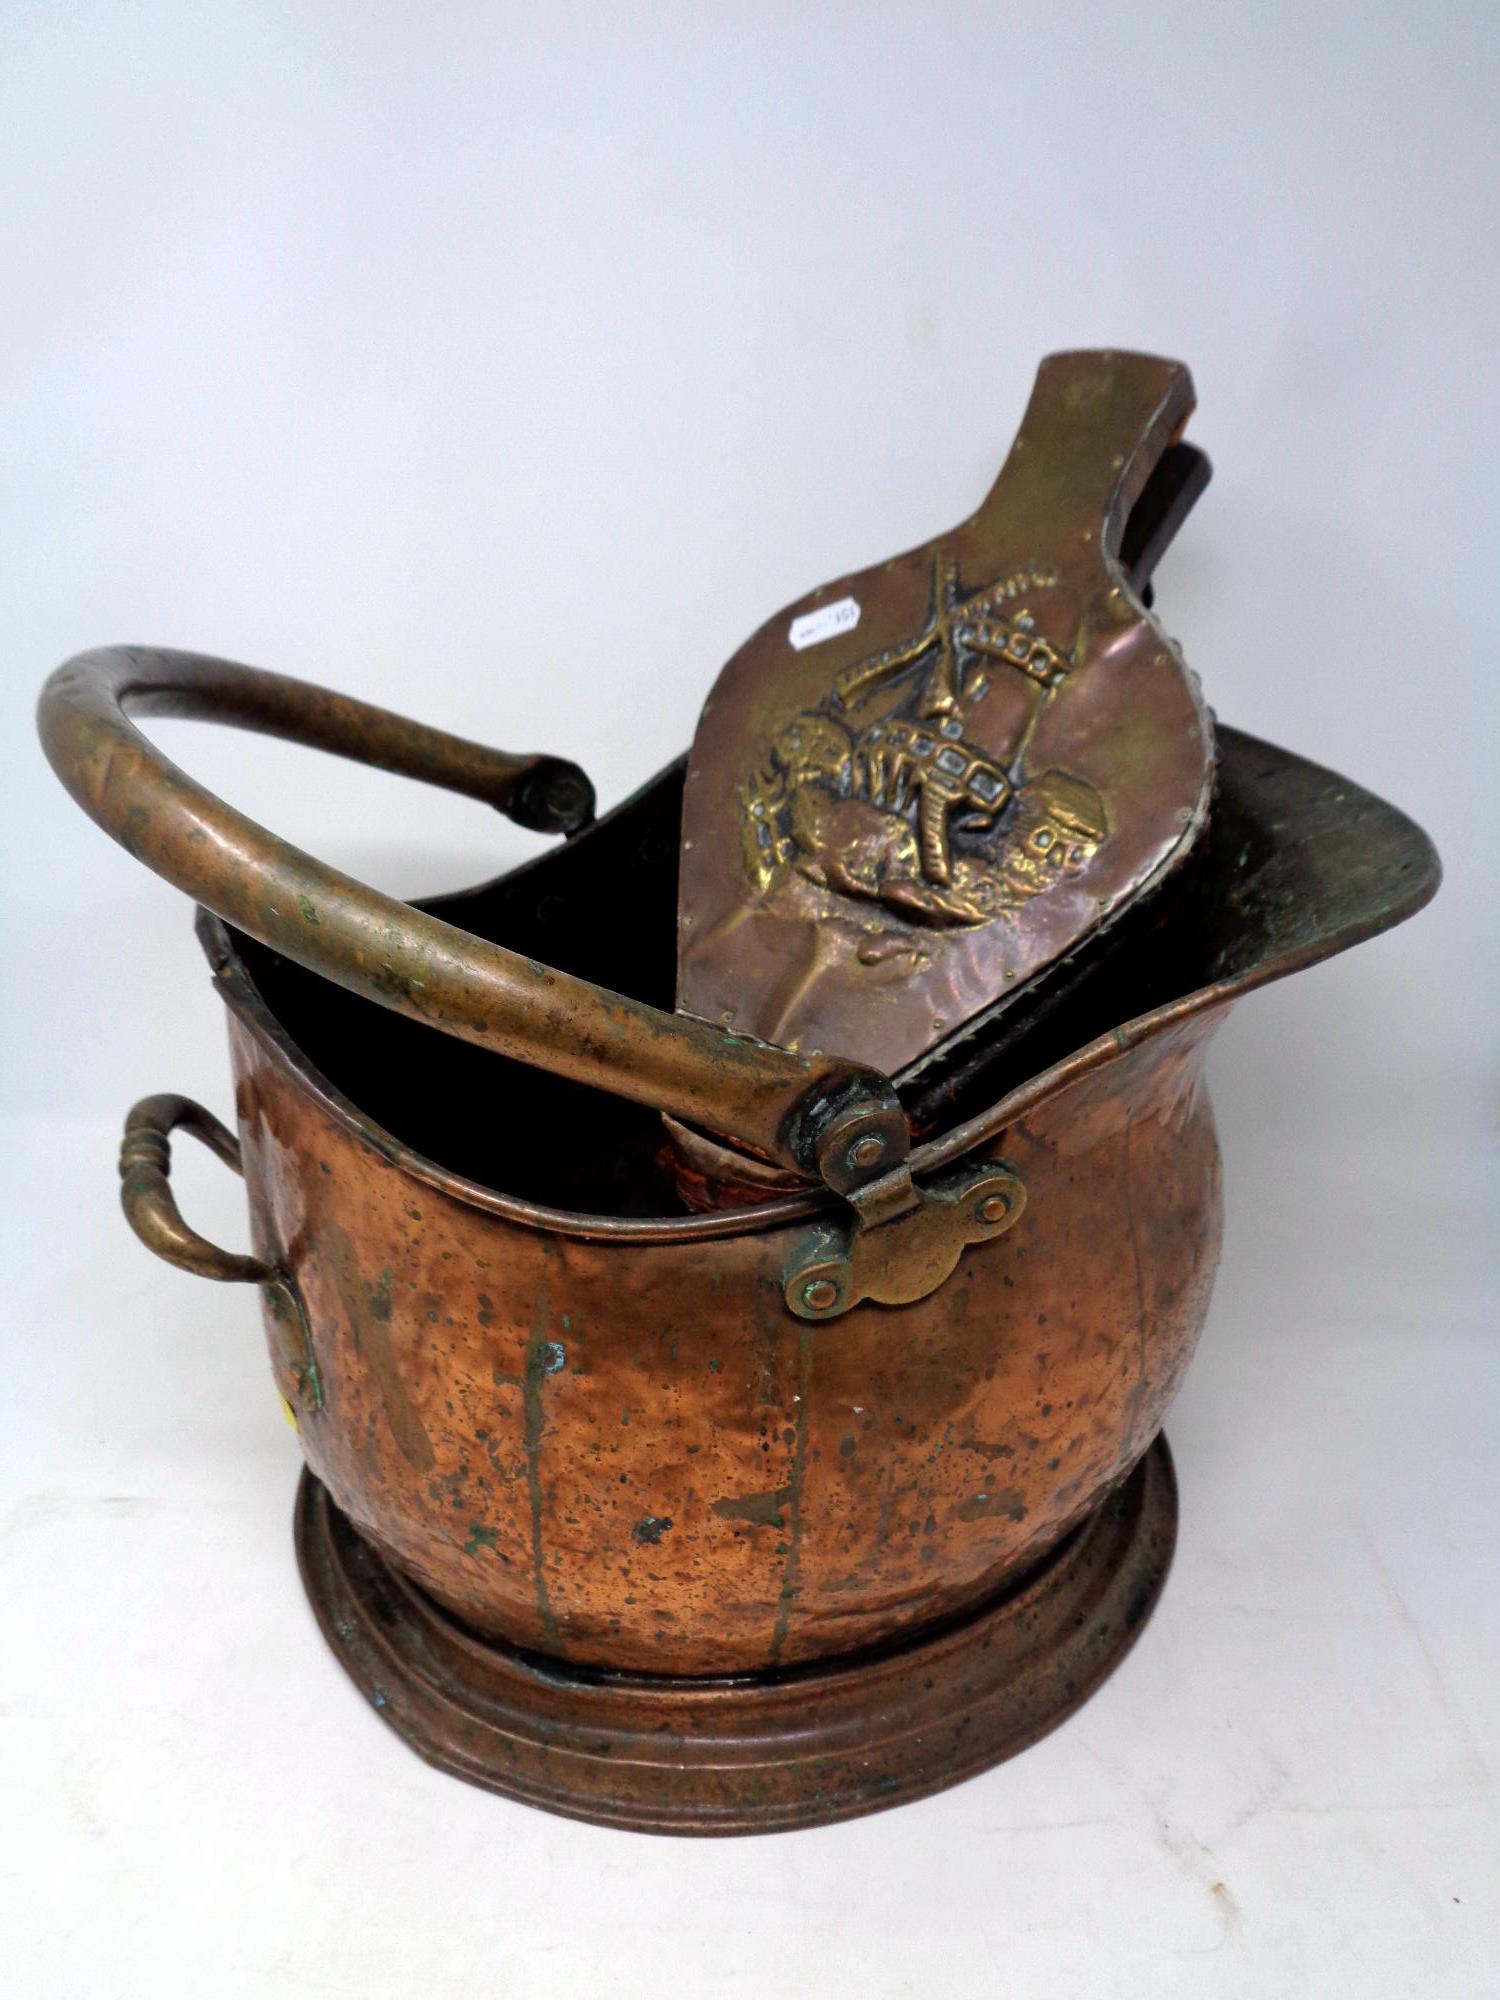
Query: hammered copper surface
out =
(897, 827)
(568, 1431)
(799, 1748)
(630, 1453)
(604, 1435)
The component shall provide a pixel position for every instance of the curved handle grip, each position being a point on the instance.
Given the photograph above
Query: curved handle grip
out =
(548, 794)
(146, 1192)
(152, 1212)
(814, 1114)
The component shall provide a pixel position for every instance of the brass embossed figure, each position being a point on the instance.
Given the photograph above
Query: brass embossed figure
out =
(897, 804)
(927, 784)
(800, 1456)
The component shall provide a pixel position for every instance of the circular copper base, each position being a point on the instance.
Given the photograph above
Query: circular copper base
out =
(761, 1753)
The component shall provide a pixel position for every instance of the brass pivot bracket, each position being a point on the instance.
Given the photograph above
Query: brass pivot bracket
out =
(902, 1241)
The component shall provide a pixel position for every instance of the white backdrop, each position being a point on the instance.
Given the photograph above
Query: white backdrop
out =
(507, 366)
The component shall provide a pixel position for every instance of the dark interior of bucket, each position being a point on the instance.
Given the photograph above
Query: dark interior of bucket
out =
(1296, 863)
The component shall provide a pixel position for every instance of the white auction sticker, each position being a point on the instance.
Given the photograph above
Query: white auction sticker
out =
(813, 627)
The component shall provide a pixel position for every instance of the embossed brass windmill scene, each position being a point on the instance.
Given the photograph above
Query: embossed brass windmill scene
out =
(993, 754)
(744, 1414)
(881, 793)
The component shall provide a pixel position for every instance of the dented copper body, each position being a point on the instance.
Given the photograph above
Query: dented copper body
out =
(622, 1449)
(666, 1467)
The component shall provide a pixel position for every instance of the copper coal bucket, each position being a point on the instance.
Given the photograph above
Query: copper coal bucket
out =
(687, 1517)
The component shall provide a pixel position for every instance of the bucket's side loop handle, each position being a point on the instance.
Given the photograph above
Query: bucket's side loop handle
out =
(152, 1212)
(832, 1120)
(146, 1191)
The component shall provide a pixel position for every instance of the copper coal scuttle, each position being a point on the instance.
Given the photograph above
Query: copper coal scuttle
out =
(729, 1274)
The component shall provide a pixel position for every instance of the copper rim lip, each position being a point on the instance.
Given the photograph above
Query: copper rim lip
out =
(241, 993)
